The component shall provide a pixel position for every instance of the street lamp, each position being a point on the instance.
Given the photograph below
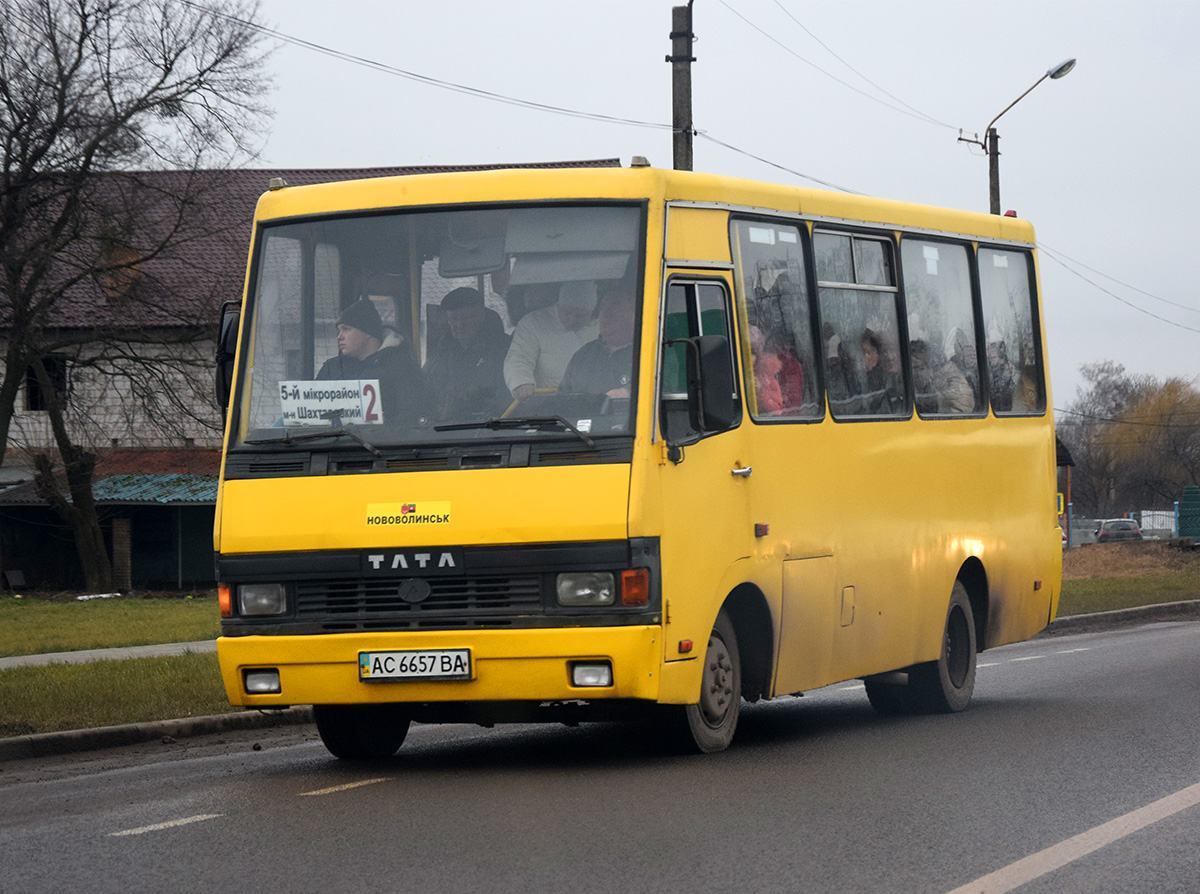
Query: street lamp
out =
(991, 147)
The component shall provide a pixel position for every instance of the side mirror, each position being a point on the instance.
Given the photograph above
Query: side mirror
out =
(712, 406)
(231, 312)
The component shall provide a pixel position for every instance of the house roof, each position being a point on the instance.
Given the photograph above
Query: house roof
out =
(1062, 453)
(205, 263)
(142, 478)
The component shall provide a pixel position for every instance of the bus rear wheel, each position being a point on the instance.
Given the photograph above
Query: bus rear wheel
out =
(708, 726)
(936, 687)
(361, 732)
(945, 686)
(889, 699)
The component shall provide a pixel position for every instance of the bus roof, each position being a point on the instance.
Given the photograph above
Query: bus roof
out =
(655, 184)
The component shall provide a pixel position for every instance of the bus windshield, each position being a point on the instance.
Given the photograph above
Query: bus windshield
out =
(427, 327)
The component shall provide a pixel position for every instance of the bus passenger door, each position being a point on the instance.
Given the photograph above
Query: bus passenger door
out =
(705, 476)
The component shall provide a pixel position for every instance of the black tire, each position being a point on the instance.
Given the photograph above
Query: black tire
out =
(945, 686)
(361, 732)
(889, 699)
(708, 726)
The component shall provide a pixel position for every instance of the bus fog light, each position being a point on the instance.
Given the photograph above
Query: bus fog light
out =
(591, 673)
(586, 588)
(262, 682)
(261, 599)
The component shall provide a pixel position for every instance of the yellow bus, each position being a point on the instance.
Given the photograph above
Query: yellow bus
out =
(582, 444)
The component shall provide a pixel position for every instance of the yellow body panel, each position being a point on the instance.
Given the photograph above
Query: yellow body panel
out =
(483, 506)
(507, 665)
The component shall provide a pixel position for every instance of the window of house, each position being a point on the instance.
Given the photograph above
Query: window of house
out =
(56, 370)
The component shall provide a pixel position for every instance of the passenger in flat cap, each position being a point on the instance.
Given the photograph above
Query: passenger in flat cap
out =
(465, 370)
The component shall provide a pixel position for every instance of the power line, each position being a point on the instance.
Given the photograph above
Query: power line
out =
(502, 98)
(1050, 254)
(432, 81)
(906, 110)
(1047, 248)
(830, 51)
(766, 161)
(1118, 421)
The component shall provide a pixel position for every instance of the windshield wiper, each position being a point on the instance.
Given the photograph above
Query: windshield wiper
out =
(497, 423)
(323, 433)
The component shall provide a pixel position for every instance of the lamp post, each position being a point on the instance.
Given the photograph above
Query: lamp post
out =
(992, 148)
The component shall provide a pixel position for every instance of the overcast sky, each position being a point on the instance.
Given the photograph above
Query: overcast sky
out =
(865, 95)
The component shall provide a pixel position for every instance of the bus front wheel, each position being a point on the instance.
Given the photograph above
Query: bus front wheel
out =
(361, 732)
(709, 725)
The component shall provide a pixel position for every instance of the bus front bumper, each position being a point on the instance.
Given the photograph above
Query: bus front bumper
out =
(506, 665)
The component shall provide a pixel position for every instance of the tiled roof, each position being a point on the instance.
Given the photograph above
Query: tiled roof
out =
(142, 477)
(132, 490)
(185, 285)
(172, 489)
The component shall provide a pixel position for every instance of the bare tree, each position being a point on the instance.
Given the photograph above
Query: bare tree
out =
(1135, 439)
(93, 95)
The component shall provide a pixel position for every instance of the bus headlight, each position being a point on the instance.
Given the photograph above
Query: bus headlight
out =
(261, 599)
(579, 588)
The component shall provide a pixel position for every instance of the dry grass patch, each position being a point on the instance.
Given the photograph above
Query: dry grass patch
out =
(1144, 559)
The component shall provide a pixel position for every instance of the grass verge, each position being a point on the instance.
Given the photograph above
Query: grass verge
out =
(34, 626)
(1104, 594)
(59, 697)
(1106, 577)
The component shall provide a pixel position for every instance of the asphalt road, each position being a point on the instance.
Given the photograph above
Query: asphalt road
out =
(1042, 786)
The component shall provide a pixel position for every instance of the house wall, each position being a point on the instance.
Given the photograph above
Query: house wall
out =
(34, 540)
(162, 399)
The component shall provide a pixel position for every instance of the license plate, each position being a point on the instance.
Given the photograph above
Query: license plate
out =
(424, 664)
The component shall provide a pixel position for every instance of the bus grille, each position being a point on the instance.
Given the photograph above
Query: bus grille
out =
(453, 603)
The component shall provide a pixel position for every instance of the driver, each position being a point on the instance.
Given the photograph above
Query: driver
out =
(605, 364)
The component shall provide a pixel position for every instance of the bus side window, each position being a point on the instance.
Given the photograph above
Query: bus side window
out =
(859, 304)
(693, 309)
(1014, 358)
(942, 337)
(773, 290)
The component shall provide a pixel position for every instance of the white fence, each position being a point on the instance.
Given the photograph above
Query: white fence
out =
(1156, 524)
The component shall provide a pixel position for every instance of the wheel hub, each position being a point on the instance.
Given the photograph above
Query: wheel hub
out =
(717, 695)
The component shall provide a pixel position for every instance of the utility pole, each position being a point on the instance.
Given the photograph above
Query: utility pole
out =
(993, 151)
(681, 60)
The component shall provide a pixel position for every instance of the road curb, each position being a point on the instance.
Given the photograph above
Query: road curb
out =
(1166, 611)
(70, 741)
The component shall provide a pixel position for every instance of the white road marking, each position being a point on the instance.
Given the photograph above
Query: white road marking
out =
(987, 664)
(167, 825)
(1073, 651)
(343, 788)
(1028, 658)
(1036, 865)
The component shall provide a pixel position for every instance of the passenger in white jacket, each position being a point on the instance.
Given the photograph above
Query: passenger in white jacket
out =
(545, 340)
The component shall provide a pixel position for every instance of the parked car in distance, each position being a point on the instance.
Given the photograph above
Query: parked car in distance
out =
(1114, 529)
